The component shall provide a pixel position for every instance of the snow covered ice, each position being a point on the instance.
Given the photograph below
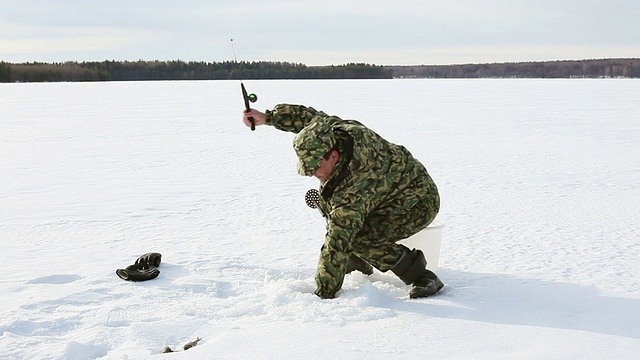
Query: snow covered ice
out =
(540, 185)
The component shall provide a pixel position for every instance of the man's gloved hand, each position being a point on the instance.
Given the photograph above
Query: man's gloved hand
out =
(356, 263)
(148, 259)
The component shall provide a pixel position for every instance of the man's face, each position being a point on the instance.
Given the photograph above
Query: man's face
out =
(323, 172)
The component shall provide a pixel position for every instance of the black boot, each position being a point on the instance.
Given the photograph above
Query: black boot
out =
(427, 284)
(411, 269)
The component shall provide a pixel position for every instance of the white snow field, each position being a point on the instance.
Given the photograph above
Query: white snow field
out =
(540, 186)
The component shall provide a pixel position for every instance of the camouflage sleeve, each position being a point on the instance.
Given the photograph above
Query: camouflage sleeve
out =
(291, 118)
(344, 223)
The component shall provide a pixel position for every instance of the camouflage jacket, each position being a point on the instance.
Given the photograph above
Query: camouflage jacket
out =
(372, 179)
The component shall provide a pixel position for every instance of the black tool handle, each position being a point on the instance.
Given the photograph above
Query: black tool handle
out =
(245, 96)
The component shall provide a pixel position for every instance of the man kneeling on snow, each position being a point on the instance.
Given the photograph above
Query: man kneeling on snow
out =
(373, 193)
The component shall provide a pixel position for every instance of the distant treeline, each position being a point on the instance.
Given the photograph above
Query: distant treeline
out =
(603, 68)
(180, 70)
(228, 70)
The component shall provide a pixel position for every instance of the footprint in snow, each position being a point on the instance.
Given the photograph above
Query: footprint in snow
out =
(55, 279)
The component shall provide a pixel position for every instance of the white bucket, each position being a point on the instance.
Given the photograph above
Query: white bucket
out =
(428, 240)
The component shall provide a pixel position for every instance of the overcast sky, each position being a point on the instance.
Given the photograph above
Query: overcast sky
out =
(319, 32)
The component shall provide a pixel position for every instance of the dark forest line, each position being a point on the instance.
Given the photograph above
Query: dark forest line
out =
(181, 70)
(227, 70)
(599, 68)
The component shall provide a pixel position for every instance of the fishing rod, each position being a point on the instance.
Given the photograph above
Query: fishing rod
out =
(245, 95)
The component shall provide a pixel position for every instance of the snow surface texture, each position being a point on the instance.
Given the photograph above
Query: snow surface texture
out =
(540, 185)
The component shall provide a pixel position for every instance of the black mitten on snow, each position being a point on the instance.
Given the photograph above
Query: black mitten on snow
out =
(140, 271)
(134, 273)
(148, 259)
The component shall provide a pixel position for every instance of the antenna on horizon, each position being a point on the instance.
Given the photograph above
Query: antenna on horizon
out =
(245, 96)
(235, 58)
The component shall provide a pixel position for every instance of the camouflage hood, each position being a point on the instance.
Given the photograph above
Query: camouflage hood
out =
(311, 144)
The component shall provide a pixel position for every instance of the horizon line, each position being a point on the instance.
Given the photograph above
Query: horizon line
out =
(343, 64)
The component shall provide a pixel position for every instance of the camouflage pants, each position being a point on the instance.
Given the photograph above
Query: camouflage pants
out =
(376, 242)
